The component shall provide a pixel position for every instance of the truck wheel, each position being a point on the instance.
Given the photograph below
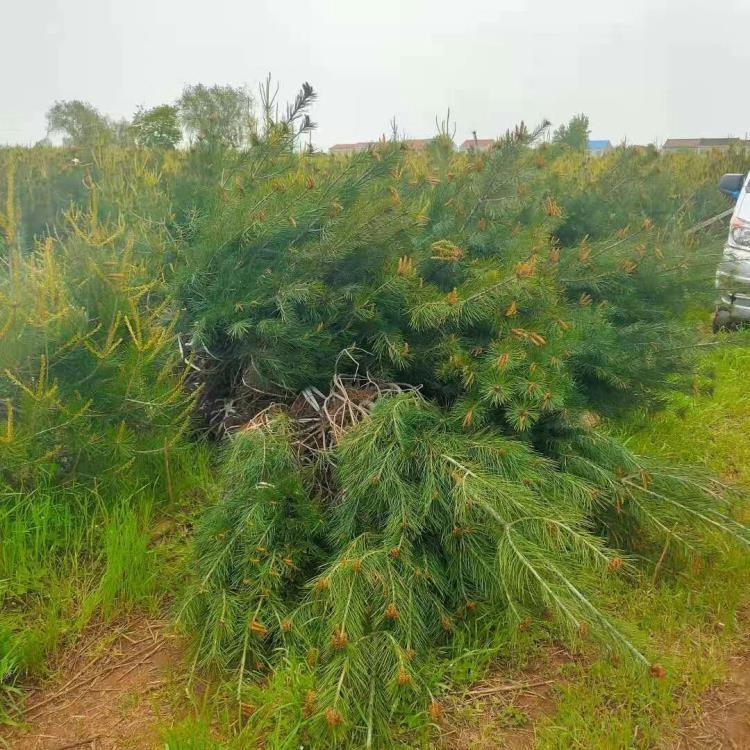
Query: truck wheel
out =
(722, 321)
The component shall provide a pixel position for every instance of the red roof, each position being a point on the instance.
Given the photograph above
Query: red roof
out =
(474, 142)
(418, 143)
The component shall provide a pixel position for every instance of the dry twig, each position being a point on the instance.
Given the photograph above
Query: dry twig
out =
(509, 688)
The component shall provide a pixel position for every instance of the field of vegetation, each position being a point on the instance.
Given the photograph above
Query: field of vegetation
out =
(362, 433)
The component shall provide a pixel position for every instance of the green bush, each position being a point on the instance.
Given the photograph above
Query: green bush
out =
(93, 412)
(412, 352)
(482, 495)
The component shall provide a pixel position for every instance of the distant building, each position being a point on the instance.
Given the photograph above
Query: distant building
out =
(701, 145)
(418, 144)
(598, 148)
(476, 144)
(346, 149)
(350, 148)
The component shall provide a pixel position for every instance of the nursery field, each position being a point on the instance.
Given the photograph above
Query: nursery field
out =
(403, 449)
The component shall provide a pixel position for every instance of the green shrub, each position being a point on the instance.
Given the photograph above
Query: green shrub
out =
(413, 352)
(415, 521)
(93, 412)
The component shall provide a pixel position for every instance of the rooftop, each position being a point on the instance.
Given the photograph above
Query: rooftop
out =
(360, 146)
(700, 142)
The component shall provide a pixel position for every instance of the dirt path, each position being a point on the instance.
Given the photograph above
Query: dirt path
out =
(111, 692)
(501, 713)
(723, 722)
(116, 688)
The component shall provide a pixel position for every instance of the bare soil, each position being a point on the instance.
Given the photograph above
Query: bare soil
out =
(723, 721)
(501, 713)
(111, 692)
(116, 688)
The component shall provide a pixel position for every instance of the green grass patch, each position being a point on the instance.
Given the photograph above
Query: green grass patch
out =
(689, 608)
(70, 555)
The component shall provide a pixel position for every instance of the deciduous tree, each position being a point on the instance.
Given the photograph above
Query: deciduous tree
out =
(79, 123)
(575, 134)
(217, 116)
(157, 127)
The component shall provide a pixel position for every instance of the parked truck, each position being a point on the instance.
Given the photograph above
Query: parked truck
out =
(733, 272)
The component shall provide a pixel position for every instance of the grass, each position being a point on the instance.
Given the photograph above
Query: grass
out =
(68, 556)
(46, 544)
(707, 424)
(690, 611)
(687, 609)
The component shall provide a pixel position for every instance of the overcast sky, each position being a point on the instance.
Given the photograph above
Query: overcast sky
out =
(643, 70)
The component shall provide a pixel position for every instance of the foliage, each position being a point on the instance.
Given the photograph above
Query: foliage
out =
(444, 520)
(412, 353)
(123, 132)
(671, 190)
(575, 134)
(217, 116)
(157, 127)
(436, 535)
(90, 306)
(81, 124)
(691, 609)
(447, 273)
(35, 187)
(696, 616)
(294, 122)
(94, 412)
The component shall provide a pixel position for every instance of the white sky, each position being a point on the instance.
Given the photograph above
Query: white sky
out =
(643, 70)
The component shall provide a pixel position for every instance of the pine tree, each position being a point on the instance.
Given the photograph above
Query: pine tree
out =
(412, 354)
(454, 508)
(91, 384)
